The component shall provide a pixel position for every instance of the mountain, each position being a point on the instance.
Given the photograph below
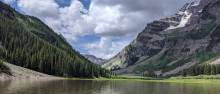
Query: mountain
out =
(171, 45)
(95, 59)
(27, 42)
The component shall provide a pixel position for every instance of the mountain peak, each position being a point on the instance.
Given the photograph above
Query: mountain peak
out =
(170, 45)
(94, 59)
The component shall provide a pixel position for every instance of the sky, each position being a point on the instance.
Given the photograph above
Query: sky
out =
(98, 27)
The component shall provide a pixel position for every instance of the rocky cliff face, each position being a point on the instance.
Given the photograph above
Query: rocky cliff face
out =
(170, 45)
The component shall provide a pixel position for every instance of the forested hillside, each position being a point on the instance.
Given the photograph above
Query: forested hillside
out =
(27, 42)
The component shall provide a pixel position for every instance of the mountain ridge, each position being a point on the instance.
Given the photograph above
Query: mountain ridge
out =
(94, 59)
(173, 44)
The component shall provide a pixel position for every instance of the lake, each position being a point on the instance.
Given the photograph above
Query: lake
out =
(103, 87)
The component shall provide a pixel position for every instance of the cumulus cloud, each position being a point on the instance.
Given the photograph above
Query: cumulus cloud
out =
(40, 8)
(67, 21)
(110, 21)
(115, 22)
(106, 47)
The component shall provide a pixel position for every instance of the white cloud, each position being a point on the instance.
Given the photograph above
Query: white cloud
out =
(40, 8)
(108, 19)
(106, 47)
(64, 20)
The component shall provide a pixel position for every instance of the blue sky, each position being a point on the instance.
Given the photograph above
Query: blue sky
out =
(98, 27)
(63, 3)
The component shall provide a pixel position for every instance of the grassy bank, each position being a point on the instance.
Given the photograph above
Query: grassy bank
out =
(210, 79)
(202, 79)
(217, 77)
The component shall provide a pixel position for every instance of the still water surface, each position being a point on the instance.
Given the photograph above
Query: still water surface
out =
(104, 87)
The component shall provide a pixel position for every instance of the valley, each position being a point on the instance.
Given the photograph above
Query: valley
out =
(176, 54)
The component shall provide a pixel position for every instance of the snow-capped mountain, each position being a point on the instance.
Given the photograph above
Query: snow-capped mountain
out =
(170, 45)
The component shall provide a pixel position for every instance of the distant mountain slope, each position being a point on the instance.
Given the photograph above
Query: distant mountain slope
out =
(27, 42)
(94, 59)
(170, 45)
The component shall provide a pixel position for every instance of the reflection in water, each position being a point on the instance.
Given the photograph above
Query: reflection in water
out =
(103, 87)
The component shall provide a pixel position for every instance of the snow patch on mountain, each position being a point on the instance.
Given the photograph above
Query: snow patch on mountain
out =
(185, 14)
(184, 20)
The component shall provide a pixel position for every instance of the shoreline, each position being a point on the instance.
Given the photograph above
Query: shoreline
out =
(20, 73)
(169, 80)
(179, 81)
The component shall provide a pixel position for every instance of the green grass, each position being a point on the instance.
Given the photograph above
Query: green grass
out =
(202, 79)
(217, 77)
(133, 77)
(190, 81)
